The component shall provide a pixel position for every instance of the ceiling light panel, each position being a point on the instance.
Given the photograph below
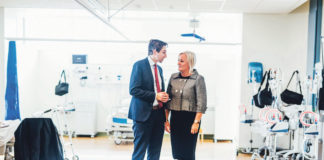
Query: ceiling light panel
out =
(141, 5)
(168, 5)
(208, 0)
(39, 4)
(275, 6)
(240, 5)
(209, 6)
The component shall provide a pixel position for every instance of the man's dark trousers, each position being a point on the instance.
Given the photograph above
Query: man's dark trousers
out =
(148, 136)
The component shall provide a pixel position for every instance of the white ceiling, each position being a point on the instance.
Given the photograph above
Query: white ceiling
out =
(245, 6)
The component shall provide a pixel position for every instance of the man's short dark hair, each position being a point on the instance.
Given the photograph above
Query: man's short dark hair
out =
(155, 44)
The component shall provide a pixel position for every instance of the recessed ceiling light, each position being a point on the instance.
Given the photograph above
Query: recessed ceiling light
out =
(210, 0)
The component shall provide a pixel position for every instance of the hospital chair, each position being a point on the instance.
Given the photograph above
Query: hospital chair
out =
(7, 129)
(9, 155)
(37, 139)
(6, 151)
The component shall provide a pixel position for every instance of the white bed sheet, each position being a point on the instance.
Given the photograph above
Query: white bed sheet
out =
(6, 133)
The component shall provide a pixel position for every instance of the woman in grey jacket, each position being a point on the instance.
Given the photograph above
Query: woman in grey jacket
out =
(187, 91)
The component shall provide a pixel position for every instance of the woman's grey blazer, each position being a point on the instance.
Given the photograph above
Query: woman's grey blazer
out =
(187, 94)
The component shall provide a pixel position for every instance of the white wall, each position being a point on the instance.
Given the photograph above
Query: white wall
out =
(28, 78)
(40, 62)
(2, 65)
(45, 60)
(276, 41)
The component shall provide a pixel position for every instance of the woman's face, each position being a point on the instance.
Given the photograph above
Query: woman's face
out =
(183, 65)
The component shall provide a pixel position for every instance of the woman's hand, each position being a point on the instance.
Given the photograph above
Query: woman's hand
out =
(162, 96)
(194, 128)
(167, 126)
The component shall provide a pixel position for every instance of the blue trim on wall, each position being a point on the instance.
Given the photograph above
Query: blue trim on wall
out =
(318, 32)
(314, 38)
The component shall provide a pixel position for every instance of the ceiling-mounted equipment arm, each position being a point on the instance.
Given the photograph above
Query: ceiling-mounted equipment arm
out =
(102, 19)
(123, 7)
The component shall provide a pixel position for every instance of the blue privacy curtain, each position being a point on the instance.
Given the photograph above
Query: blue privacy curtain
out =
(12, 98)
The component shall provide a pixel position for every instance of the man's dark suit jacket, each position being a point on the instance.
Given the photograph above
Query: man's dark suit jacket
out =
(141, 87)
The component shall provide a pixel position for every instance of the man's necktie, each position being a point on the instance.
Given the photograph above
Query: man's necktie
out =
(157, 84)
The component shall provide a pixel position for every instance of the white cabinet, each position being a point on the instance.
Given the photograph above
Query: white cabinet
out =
(84, 119)
(225, 122)
(208, 121)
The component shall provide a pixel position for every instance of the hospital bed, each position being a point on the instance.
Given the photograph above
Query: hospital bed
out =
(121, 126)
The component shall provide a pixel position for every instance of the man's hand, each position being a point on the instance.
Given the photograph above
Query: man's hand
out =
(167, 126)
(162, 96)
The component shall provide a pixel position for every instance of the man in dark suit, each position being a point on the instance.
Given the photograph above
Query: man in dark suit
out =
(146, 108)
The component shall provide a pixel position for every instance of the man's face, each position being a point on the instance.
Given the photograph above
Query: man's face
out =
(160, 55)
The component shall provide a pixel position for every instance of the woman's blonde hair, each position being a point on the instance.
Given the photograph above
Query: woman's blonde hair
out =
(191, 57)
